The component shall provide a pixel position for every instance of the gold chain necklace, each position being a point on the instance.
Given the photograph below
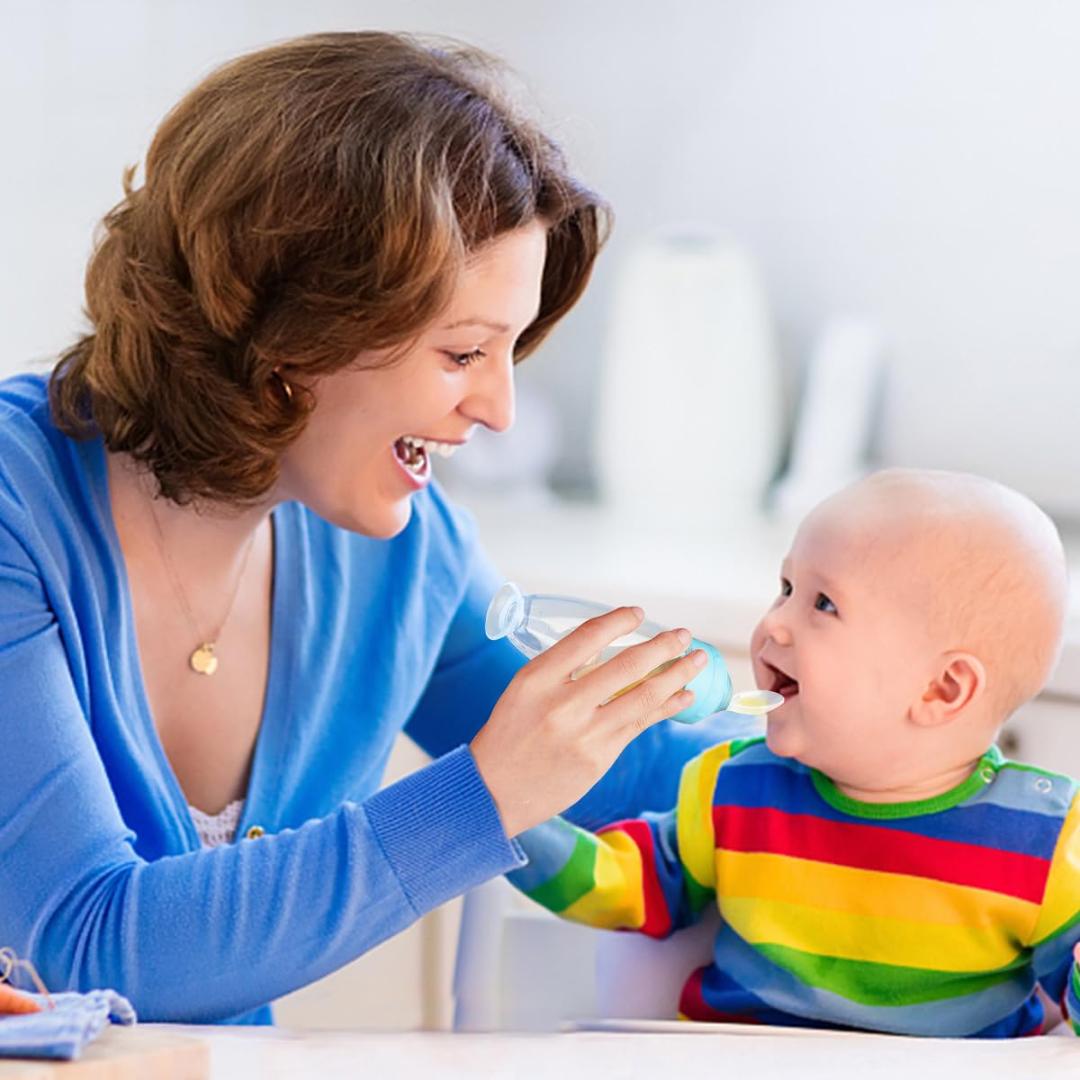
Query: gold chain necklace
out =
(203, 659)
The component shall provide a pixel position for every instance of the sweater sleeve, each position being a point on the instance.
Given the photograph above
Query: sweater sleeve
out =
(1057, 930)
(209, 934)
(654, 873)
(471, 673)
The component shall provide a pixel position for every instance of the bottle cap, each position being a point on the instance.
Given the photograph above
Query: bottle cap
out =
(712, 687)
(755, 702)
(505, 613)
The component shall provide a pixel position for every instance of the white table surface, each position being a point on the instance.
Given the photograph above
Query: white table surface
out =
(741, 1053)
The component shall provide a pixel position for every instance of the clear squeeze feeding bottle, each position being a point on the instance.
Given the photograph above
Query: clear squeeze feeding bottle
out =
(534, 623)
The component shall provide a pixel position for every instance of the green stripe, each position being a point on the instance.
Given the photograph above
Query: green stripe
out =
(573, 881)
(1064, 928)
(1019, 766)
(697, 894)
(739, 745)
(869, 983)
(984, 772)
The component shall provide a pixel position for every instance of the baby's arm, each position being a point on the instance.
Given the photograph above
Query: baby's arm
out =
(654, 873)
(1056, 954)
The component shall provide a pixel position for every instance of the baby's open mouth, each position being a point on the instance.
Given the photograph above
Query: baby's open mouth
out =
(781, 682)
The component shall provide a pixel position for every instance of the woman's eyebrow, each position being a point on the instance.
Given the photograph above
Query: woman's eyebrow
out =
(498, 327)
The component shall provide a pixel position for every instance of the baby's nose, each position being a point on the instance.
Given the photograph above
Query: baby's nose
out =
(779, 631)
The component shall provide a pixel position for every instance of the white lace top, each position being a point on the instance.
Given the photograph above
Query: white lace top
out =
(217, 829)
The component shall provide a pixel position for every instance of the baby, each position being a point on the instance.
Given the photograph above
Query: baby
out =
(876, 862)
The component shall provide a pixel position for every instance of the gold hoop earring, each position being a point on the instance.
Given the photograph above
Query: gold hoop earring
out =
(286, 388)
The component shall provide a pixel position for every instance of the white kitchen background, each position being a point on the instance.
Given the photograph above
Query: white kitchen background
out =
(858, 224)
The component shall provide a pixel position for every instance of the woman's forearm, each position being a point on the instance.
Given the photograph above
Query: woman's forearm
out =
(207, 935)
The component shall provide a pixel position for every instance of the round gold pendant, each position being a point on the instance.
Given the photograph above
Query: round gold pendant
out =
(203, 659)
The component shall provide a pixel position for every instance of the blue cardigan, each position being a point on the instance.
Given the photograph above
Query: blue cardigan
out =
(102, 878)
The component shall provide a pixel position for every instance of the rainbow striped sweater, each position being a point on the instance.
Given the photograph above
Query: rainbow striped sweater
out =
(935, 917)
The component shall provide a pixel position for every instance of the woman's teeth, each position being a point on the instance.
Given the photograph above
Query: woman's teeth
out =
(443, 449)
(415, 453)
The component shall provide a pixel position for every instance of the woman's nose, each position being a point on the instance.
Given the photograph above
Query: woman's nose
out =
(490, 400)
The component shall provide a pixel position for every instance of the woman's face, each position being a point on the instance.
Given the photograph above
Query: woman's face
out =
(353, 464)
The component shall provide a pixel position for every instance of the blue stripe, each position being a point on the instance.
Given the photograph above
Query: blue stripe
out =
(771, 784)
(1028, 1018)
(548, 847)
(722, 993)
(967, 1015)
(1072, 1002)
(668, 867)
(1017, 788)
(1052, 962)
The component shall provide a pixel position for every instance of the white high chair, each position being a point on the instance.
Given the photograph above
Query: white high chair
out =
(519, 968)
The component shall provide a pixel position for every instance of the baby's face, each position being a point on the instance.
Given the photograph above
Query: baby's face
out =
(844, 644)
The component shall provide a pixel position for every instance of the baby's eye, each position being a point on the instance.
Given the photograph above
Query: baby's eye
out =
(823, 603)
(785, 587)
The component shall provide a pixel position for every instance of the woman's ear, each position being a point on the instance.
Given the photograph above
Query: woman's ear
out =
(960, 679)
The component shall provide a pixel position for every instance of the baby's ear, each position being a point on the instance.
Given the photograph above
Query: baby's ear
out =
(961, 677)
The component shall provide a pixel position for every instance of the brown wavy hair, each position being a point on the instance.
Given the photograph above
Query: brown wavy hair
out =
(301, 204)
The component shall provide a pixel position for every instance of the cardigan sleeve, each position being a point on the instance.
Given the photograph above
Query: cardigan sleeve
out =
(210, 934)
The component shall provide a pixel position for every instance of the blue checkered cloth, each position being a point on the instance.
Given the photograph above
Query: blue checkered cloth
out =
(62, 1032)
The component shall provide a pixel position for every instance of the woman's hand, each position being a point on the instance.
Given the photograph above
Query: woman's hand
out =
(550, 737)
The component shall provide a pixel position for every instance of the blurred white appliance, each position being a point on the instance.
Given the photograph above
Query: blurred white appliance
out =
(689, 416)
(837, 409)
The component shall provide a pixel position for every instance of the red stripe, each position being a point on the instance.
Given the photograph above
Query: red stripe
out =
(693, 1006)
(874, 847)
(657, 917)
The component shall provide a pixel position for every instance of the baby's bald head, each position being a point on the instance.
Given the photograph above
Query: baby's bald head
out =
(979, 564)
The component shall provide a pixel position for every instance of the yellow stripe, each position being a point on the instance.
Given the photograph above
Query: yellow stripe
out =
(882, 940)
(694, 825)
(617, 898)
(1061, 901)
(853, 891)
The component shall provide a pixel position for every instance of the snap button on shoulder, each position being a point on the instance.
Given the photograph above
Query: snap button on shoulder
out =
(254, 832)
(1044, 785)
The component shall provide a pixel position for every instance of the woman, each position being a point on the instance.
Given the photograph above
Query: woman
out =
(226, 580)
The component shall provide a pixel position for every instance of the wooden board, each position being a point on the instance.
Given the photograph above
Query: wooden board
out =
(121, 1053)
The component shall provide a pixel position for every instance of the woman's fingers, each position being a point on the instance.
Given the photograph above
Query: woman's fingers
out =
(656, 698)
(590, 638)
(624, 671)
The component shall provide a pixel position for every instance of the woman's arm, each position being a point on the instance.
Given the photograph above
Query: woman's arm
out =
(210, 934)
(471, 675)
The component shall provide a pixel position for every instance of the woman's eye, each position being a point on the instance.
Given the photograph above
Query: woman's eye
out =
(466, 358)
(785, 587)
(823, 603)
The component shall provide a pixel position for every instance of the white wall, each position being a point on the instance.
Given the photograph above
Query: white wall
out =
(913, 160)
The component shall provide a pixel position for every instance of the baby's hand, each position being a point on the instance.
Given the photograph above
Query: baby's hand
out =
(1076, 952)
